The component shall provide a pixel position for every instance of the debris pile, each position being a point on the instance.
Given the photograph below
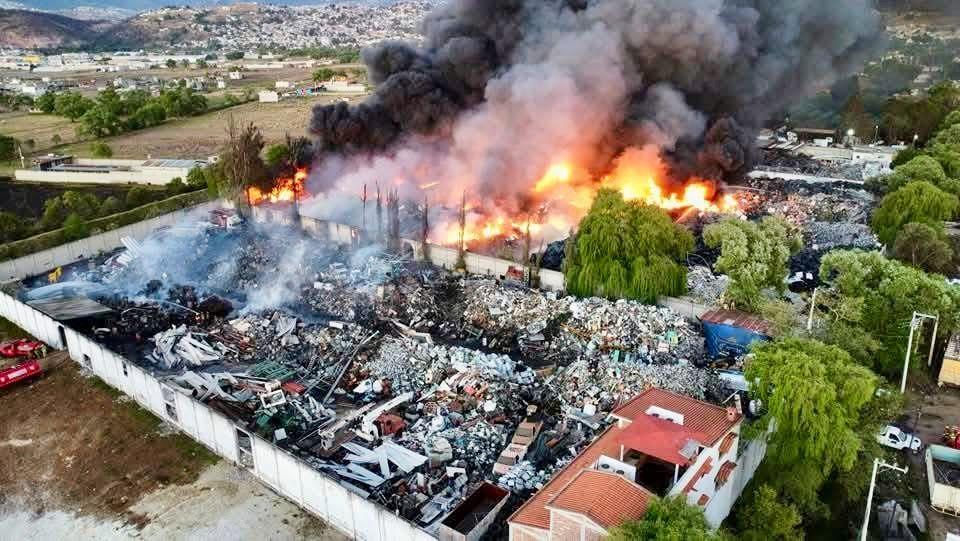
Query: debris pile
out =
(704, 286)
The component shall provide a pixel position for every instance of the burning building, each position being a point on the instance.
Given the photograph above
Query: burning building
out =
(526, 108)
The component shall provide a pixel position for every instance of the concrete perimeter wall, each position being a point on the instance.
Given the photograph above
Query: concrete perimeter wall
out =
(46, 260)
(286, 474)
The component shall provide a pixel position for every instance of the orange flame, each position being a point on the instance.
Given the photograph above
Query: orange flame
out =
(284, 190)
(638, 174)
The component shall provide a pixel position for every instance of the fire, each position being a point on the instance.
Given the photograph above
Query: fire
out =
(566, 192)
(287, 189)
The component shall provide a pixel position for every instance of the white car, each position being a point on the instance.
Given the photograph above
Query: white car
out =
(892, 436)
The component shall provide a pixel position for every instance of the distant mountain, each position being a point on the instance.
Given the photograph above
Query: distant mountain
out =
(144, 5)
(36, 29)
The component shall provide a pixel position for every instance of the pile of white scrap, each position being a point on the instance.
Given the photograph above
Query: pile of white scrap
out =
(178, 346)
(355, 472)
(203, 385)
(134, 250)
(404, 458)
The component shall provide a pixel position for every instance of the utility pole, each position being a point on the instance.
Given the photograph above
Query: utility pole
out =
(877, 464)
(915, 322)
(813, 303)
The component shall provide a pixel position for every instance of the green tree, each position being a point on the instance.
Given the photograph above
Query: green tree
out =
(134, 100)
(925, 248)
(668, 519)
(137, 196)
(628, 250)
(99, 122)
(275, 155)
(11, 226)
(72, 105)
(45, 102)
(110, 100)
(234, 55)
(56, 139)
(74, 227)
(922, 168)
(754, 255)
(151, 114)
(171, 63)
(764, 517)
(813, 396)
(176, 186)
(872, 298)
(917, 202)
(323, 74)
(184, 63)
(8, 148)
(196, 178)
(84, 205)
(54, 213)
(99, 149)
(111, 205)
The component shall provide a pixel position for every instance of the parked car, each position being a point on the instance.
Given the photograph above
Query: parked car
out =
(894, 437)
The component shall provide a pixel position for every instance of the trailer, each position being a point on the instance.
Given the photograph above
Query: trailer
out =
(943, 474)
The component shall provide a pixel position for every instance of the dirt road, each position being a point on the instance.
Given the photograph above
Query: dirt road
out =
(80, 460)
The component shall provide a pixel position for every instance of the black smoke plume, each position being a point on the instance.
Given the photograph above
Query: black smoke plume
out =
(499, 88)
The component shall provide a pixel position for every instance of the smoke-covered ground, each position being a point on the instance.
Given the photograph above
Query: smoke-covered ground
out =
(503, 89)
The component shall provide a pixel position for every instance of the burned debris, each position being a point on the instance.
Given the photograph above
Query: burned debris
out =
(409, 384)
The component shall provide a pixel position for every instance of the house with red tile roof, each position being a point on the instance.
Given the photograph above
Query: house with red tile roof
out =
(661, 444)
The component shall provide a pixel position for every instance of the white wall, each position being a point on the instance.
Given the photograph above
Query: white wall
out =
(157, 176)
(288, 475)
(46, 260)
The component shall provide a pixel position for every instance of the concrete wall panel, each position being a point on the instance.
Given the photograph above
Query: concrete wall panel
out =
(288, 477)
(186, 415)
(366, 520)
(314, 494)
(205, 431)
(225, 435)
(265, 459)
(340, 511)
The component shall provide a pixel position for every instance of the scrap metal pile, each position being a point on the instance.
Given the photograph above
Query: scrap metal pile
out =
(403, 381)
(773, 160)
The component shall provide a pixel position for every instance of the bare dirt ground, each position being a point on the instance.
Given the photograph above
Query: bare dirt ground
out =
(929, 410)
(78, 459)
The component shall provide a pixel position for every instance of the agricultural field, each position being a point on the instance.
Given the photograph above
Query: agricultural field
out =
(203, 136)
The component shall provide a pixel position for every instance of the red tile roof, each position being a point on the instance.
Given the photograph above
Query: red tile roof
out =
(727, 443)
(724, 474)
(534, 512)
(605, 498)
(698, 416)
(703, 500)
(661, 438)
(735, 318)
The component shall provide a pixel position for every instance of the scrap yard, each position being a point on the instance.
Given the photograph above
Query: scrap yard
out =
(408, 384)
(404, 381)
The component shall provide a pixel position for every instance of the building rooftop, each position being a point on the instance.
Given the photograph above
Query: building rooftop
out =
(605, 498)
(735, 318)
(700, 418)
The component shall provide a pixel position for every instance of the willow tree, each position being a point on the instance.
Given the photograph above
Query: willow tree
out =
(754, 255)
(815, 397)
(627, 249)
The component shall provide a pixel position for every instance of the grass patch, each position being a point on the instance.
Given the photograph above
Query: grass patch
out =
(194, 449)
(56, 237)
(9, 329)
(101, 385)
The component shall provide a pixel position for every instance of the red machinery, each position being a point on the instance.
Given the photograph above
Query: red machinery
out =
(21, 348)
(19, 372)
(951, 436)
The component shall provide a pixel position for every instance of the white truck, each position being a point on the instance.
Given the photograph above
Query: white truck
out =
(894, 437)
